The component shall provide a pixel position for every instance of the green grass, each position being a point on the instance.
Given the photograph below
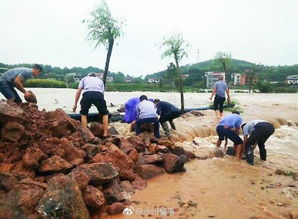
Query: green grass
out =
(45, 83)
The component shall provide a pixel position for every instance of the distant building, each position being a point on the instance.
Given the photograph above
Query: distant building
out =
(100, 76)
(153, 81)
(242, 79)
(213, 77)
(128, 79)
(72, 77)
(292, 80)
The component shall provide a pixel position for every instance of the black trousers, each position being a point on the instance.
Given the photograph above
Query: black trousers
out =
(263, 130)
(218, 103)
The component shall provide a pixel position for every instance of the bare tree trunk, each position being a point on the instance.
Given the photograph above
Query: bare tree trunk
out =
(108, 58)
(181, 84)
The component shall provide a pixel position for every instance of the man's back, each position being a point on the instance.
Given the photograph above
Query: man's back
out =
(231, 121)
(221, 88)
(10, 75)
(91, 83)
(165, 107)
(146, 109)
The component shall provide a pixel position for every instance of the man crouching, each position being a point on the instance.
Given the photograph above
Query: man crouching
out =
(229, 128)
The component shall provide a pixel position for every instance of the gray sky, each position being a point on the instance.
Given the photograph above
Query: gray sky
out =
(51, 32)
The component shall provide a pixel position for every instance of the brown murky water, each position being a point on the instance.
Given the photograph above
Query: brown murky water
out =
(217, 187)
(224, 187)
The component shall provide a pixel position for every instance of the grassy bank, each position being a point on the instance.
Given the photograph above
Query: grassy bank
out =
(45, 83)
(262, 87)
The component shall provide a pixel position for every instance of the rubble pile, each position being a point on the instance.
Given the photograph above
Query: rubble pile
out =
(51, 167)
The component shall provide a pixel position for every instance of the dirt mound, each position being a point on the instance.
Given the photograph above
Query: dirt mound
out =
(50, 166)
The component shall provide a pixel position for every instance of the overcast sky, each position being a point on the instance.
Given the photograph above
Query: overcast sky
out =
(51, 32)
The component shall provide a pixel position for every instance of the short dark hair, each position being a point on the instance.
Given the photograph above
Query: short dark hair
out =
(143, 97)
(236, 112)
(37, 66)
(156, 100)
(242, 126)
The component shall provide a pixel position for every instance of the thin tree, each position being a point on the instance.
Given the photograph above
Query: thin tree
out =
(103, 29)
(223, 59)
(175, 47)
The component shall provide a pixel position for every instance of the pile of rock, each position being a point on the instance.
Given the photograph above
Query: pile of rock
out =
(51, 167)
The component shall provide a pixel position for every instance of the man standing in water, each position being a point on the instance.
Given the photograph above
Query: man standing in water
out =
(93, 93)
(168, 112)
(229, 128)
(146, 112)
(219, 90)
(16, 78)
(256, 132)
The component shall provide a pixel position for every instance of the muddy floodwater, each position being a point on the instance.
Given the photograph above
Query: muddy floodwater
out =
(215, 187)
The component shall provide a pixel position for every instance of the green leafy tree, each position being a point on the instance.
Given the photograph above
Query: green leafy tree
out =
(224, 60)
(171, 75)
(175, 47)
(103, 29)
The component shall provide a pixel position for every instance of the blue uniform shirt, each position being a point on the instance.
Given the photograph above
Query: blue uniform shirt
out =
(232, 121)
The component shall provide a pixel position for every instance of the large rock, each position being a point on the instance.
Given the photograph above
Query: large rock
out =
(138, 142)
(91, 150)
(95, 174)
(150, 159)
(54, 164)
(7, 181)
(32, 157)
(126, 146)
(62, 199)
(62, 125)
(147, 171)
(115, 208)
(118, 159)
(113, 193)
(97, 129)
(71, 152)
(173, 163)
(126, 187)
(12, 131)
(10, 113)
(52, 146)
(93, 197)
(20, 170)
(166, 142)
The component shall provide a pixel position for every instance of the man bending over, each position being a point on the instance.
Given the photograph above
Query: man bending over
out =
(16, 78)
(146, 113)
(93, 93)
(256, 132)
(229, 128)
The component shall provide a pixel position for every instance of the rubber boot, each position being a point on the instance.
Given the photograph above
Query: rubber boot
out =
(263, 153)
(250, 154)
(165, 127)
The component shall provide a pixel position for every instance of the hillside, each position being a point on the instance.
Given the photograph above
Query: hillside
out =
(197, 71)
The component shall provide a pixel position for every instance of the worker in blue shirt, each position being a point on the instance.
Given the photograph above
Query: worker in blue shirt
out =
(229, 128)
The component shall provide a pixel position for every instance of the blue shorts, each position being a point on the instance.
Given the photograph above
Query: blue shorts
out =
(228, 133)
(8, 91)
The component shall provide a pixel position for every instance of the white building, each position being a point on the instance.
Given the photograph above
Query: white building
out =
(213, 77)
(100, 76)
(292, 80)
(153, 81)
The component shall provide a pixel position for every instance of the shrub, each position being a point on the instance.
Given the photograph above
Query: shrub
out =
(264, 87)
(45, 83)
